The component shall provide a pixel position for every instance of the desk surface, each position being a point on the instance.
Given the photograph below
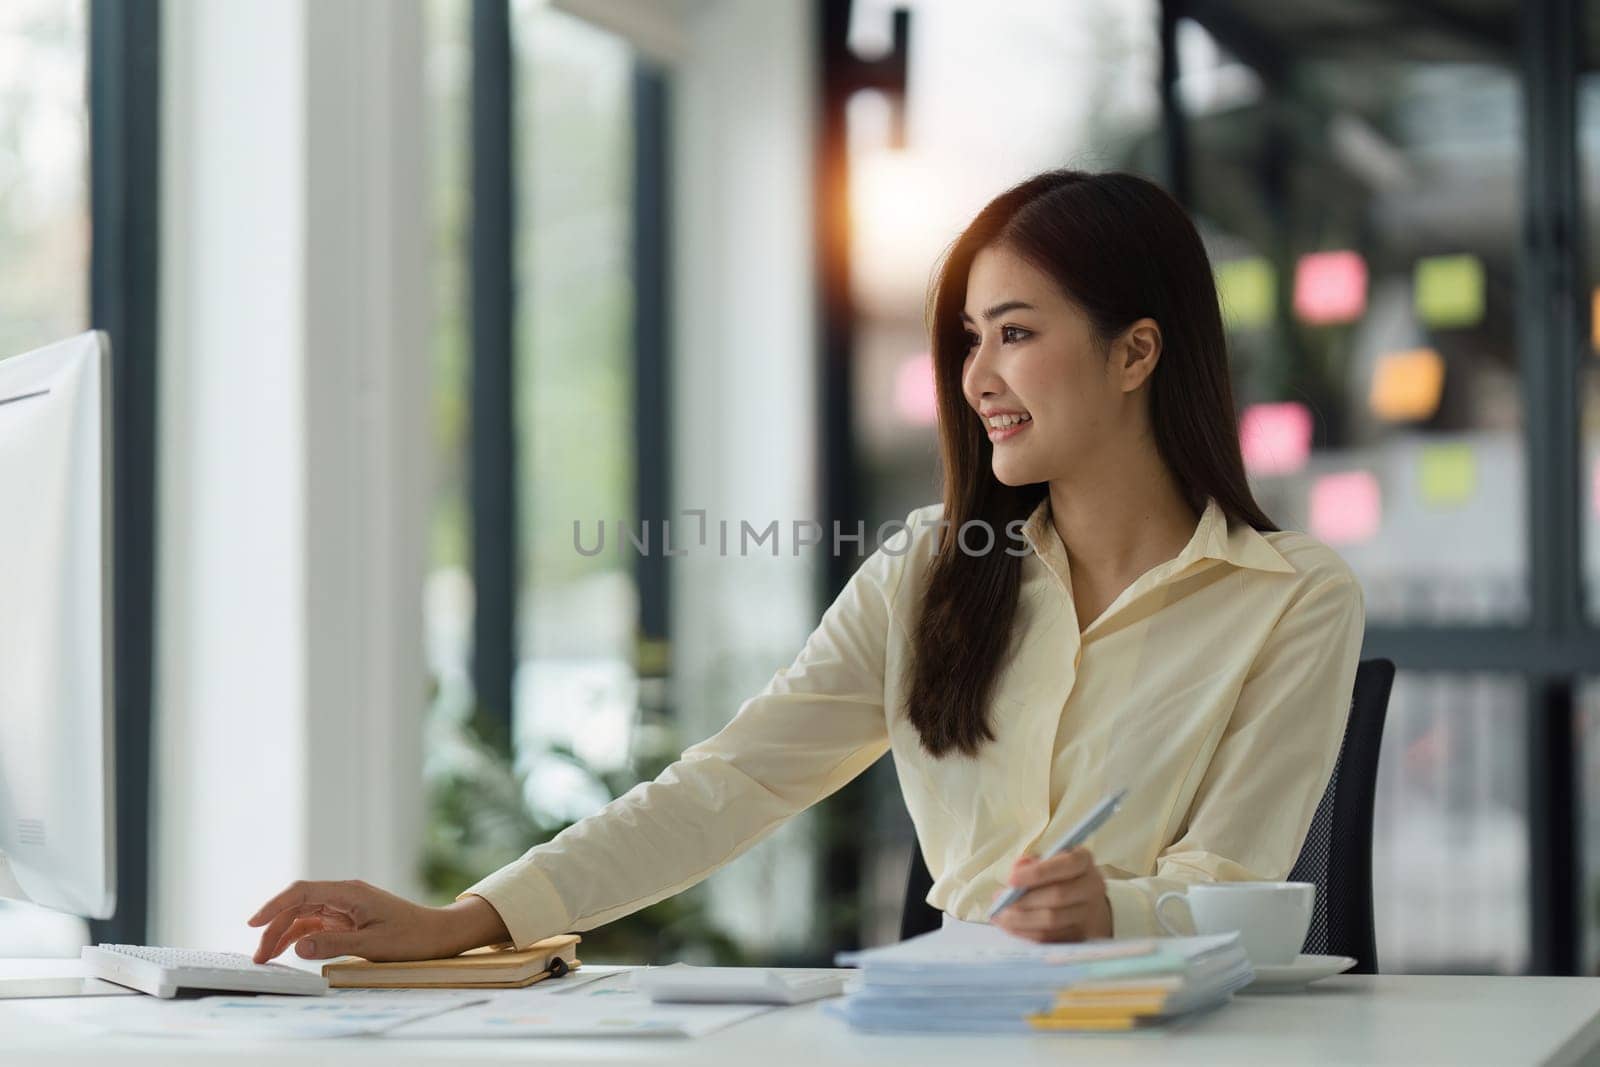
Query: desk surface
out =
(1347, 1019)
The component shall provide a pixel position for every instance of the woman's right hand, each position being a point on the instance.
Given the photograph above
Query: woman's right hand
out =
(353, 918)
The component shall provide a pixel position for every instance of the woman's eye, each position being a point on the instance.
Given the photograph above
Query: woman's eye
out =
(1009, 335)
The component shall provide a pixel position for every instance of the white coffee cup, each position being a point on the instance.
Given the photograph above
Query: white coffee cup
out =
(1272, 917)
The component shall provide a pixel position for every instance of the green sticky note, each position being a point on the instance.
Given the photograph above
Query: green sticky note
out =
(1448, 475)
(1448, 290)
(1247, 289)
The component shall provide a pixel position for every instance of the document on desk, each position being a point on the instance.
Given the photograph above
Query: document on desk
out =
(964, 954)
(602, 1009)
(339, 1013)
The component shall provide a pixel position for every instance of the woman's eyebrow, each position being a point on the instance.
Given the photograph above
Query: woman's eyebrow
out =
(1001, 309)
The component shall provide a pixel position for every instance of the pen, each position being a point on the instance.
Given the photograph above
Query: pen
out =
(1071, 839)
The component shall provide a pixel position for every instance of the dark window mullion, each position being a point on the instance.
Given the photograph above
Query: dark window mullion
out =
(1548, 323)
(1174, 123)
(124, 154)
(1511, 649)
(841, 861)
(492, 475)
(652, 425)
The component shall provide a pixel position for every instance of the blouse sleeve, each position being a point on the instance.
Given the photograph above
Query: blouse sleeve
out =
(1255, 803)
(815, 726)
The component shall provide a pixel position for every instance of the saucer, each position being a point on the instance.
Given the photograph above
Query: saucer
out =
(1293, 977)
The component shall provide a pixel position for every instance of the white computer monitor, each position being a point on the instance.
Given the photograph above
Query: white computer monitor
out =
(57, 810)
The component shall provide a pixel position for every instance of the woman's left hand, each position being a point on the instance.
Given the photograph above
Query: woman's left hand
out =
(1065, 899)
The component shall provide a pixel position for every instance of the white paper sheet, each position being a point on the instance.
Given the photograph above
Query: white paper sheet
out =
(600, 1009)
(339, 1013)
(617, 974)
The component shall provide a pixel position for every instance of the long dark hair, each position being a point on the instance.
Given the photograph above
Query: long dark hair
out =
(1121, 248)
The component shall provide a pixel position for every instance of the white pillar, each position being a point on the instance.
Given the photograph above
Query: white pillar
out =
(290, 686)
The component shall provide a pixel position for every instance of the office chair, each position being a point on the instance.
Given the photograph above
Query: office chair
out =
(1336, 854)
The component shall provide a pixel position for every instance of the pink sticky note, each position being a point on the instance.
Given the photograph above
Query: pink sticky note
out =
(1275, 438)
(1330, 287)
(915, 398)
(1345, 507)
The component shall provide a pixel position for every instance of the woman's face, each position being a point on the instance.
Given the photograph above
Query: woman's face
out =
(1032, 351)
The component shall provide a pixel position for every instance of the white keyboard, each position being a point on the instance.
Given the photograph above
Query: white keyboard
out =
(161, 972)
(682, 983)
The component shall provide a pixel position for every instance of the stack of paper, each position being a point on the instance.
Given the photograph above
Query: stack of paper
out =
(972, 977)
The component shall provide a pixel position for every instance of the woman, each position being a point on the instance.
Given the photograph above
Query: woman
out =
(1116, 611)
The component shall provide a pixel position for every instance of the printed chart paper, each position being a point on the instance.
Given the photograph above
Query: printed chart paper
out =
(341, 1013)
(601, 1009)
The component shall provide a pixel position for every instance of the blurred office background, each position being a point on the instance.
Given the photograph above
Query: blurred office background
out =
(400, 291)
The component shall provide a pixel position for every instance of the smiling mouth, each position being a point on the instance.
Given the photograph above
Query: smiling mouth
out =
(1007, 432)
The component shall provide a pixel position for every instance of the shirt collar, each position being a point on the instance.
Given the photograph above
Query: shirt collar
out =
(1214, 538)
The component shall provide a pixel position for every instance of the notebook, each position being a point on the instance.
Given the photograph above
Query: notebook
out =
(496, 967)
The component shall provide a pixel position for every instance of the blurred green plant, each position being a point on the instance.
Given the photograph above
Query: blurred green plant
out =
(479, 819)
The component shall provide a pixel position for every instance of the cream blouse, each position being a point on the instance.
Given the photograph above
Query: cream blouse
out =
(1215, 687)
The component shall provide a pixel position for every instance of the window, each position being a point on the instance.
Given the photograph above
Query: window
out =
(44, 261)
(1588, 756)
(1361, 217)
(44, 173)
(575, 693)
(577, 614)
(1450, 827)
(1372, 188)
(1589, 308)
(1588, 711)
(50, 200)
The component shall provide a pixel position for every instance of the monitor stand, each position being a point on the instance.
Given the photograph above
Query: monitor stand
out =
(19, 986)
(40, 988)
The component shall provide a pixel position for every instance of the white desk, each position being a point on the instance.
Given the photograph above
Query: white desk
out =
(1349, 1019)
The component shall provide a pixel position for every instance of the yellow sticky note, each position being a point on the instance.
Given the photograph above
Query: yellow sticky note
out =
(1447, 475)
(1407, 385)
(1448, 290)
(1247, 289)
(1594, 319)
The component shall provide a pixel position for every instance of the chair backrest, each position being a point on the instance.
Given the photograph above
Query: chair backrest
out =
(1336, 854)
(918, 916)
